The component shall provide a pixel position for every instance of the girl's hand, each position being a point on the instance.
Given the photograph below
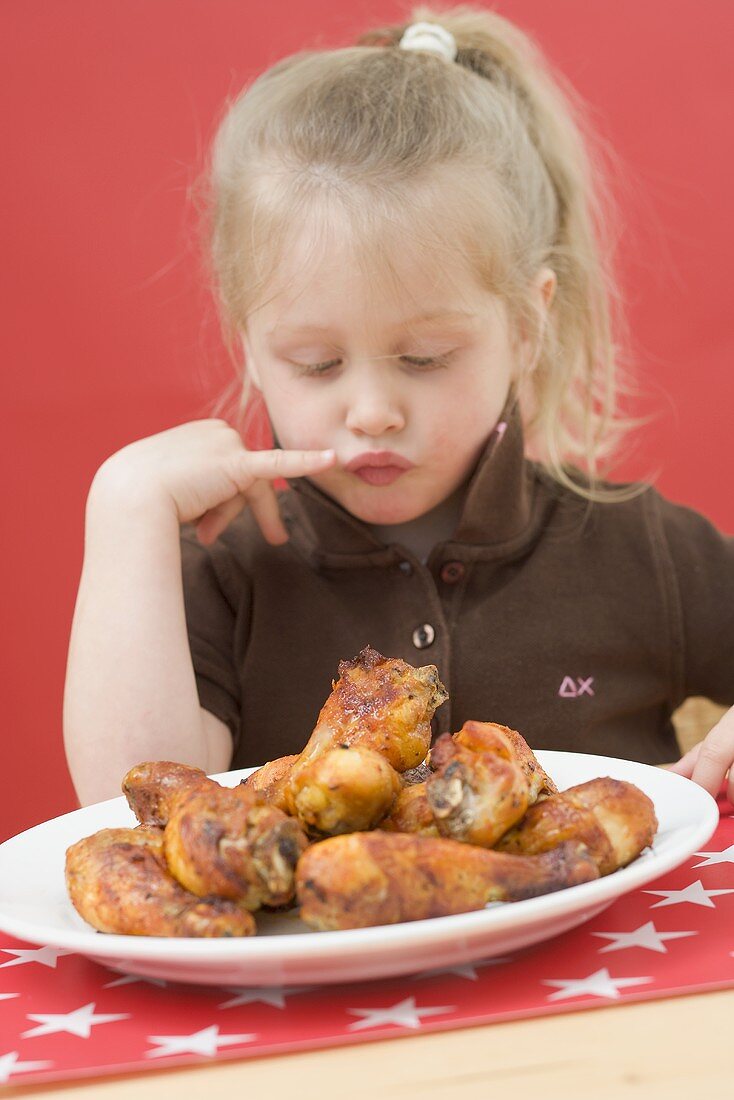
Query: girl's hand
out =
(203, 471)
(708, 762)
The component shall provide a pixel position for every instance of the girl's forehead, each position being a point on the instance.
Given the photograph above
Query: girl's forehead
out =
(315, 279)
(449, 317)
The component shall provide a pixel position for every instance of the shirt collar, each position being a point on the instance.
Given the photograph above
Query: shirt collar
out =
(504, 508)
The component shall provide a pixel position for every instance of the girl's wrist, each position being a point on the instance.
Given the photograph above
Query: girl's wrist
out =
(117, 493)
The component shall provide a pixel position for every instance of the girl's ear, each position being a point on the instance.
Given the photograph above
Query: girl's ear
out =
(546, 282)
(250, 360)
(544, 288)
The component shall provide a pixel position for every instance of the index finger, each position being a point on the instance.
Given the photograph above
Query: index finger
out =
(276, 463)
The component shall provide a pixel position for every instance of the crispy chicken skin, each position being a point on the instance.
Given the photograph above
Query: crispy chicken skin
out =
(539, 782)
(416, 775)
(411, 813)
(381, 703)
(614, 819)
(365, 879)
(226, 841)
(268, 780)
(344, 790)
(118, 882)
(151, 788)
(478, 790)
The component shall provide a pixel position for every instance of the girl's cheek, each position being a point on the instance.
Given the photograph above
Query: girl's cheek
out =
(301, 425)
(444, 442)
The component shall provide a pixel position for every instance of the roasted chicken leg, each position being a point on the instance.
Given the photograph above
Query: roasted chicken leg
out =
(377, 702)
(226, 841)
(364, 879)
(483, 779)
(613, 818)
(478, 790)
(118, 881)
(152, 788)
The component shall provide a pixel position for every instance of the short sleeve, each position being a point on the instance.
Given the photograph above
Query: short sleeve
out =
(702, 560)
(211, 623)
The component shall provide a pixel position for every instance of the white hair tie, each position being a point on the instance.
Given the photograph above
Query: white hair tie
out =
(429, 36)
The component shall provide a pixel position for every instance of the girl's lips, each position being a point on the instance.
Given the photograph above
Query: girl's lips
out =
(379, 475)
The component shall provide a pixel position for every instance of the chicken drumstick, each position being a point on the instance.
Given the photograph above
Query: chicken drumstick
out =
(364, 879)
(226, 841)
(118, 881)
(613, 818)
(378, 703)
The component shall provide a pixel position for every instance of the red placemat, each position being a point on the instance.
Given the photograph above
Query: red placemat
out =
(62, 1016)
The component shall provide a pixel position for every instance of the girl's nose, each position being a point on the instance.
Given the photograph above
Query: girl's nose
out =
(373, 407)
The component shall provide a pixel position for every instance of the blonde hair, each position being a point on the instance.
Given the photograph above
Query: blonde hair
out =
(490, 159)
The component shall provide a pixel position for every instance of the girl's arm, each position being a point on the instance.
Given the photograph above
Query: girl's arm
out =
(130, 692)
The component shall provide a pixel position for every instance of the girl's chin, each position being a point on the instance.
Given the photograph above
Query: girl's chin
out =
(381, 506)
(376, 504)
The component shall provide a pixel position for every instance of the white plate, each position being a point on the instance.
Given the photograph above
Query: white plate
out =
(34, 904)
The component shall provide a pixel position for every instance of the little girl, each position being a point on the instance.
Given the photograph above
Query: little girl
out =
(406, 247)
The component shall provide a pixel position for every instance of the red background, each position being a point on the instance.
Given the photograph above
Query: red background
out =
(110, 333)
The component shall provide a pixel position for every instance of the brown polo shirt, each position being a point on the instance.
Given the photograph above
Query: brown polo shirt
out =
(582, 626)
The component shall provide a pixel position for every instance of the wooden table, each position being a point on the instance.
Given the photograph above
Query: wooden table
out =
(656, 1050)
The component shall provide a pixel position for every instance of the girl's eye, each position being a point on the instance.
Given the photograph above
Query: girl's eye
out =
(418, 361)
(413, 360)
(317, 368)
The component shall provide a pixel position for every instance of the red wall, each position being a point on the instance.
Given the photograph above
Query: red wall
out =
(109, 332)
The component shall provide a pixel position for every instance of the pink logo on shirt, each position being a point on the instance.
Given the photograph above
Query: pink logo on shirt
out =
(571, 687)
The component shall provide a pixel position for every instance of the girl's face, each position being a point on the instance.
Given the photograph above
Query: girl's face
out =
(423, 375)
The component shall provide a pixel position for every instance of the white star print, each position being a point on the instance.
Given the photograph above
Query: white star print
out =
(129, 979)
(9, 1064)
(7, 996)
(207, 1041)
(726, 856)
(694, 893)
(47, 956)
(404, 1013)
(598, 984)
(79, 1022)
(646, 936)
(275, 995)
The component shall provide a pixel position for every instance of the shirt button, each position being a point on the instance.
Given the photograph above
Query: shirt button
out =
(405, 567)
(452, 571)
(423, 636)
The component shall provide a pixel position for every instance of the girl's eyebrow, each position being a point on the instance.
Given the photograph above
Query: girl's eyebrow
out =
(442, 315)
